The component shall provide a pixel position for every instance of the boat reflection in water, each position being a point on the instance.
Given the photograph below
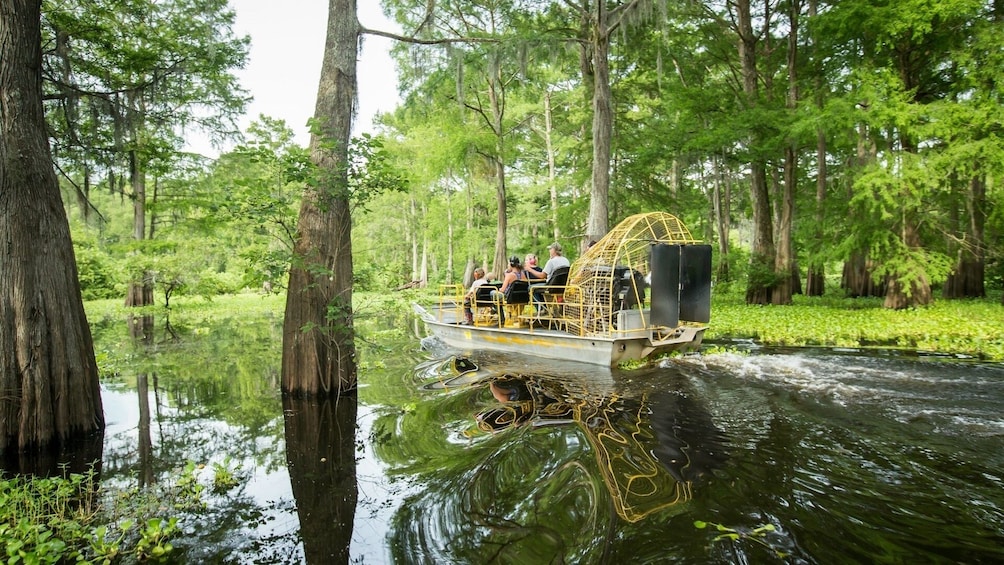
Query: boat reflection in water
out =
(652, 445)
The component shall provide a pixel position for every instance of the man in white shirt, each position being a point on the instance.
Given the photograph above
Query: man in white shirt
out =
(556, 260)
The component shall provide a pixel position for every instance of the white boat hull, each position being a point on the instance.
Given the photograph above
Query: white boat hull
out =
(556, 344)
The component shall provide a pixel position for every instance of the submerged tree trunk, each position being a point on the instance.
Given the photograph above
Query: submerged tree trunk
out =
(318, 345)
(48, 375)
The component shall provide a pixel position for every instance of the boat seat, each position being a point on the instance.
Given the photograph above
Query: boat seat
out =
(515, 301)
(549, 294)
(484, 307)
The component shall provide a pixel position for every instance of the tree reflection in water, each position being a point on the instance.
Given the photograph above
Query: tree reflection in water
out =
(320, 457)
(552, 462)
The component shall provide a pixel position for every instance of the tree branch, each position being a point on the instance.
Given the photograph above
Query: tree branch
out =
(415, 40)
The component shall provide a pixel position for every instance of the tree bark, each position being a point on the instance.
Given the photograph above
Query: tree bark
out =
(784, 260)
(723, 213)
(495, 93)
(858, 279)
(318, 348)
(48, 376)
(552, 175)
(815, 283)
(967, 279)
(596, 222)
(139, 293)
(761, 279)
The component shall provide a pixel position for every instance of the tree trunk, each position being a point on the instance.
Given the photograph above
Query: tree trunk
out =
(552, 174)
(815, 284)
(722, 213)
(784, 262)
(48, 376)
(897, 297)
(450, 242)
(139, 293)
(761, 278)
(413, 238)
(498, 170)
(318, 345)
(596, 222)
(858, 278)
(967, 280)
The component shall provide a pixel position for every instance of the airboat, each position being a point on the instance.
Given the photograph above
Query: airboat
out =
(642, 290)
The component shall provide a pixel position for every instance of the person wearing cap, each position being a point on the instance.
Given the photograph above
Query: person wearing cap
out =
(556, 260)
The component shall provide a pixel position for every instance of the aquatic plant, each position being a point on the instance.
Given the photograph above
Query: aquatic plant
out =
(73, 519)
(756, 535)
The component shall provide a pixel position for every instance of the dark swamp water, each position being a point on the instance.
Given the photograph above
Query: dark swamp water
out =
(796, 456)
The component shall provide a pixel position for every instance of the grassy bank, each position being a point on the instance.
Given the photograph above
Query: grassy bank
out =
(958, 327)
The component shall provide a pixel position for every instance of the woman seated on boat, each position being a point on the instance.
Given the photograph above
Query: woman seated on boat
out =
(514, 273)
(479, 280)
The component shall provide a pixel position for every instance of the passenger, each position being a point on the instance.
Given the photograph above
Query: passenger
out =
(479, 279)
(556, 260)
(515, 272)
(534, 270)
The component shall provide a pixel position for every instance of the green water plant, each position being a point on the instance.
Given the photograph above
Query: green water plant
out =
(73, 519)
(756, 535)
(224, 476)
(969, 328)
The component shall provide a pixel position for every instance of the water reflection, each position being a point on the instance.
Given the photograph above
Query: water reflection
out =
(320, 458)
(651, 448)
(76, 455)
(871, 458)
(553, 465)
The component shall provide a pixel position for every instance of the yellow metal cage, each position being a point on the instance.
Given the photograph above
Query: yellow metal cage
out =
(611, 275)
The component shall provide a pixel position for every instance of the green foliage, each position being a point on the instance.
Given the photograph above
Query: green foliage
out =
(224, 475)
(58, 520)
(97, 272)
(957, 327)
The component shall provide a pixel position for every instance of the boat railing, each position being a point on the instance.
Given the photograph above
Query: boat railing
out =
(451, 297)
(553, 307)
